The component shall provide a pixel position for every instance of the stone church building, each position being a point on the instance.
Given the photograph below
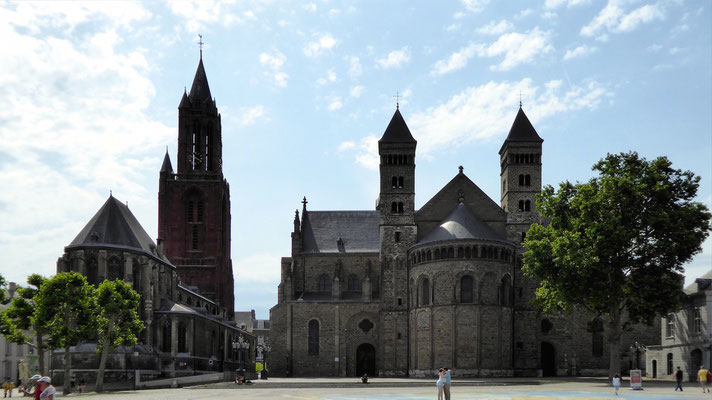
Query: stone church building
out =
(185, 278)
(397, 291)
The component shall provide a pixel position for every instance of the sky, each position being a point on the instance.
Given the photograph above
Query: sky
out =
(89, 94)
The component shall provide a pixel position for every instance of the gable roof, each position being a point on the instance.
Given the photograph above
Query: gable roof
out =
(700, 284)
(341, 231)
(115, 225)
(462, 224)
(397, 131)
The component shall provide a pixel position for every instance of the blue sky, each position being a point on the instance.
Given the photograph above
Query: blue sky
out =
(89, 96)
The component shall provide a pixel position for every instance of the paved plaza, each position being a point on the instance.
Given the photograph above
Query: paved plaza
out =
(415, 389)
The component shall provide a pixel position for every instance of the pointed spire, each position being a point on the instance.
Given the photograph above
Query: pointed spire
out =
(200, 91)
(166, 166)
(522, 130)
(185, 101)
(397, 131)
(297, 224)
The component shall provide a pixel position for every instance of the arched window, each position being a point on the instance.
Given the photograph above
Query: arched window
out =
(114, 269)
(400, 182)
(527, 205)
(394, 182)
(166, 338)
(182, 338)
(190, 206)
(354, 284)
(324, 283)
(450, 252)
(394, 207)
(490, 252)
(460, 252)
(313, 337)
(521, 180)
(669, 363)
(466, 289)
(201, 208)
(670, 326)
(400, 207)
(521, 205)
(437, 254)
(428, 255)
(417, 257)
(597, 337)
(425, 292)
(505, 291)
(136, 274)
(527, 180)
(195, 237)
(92, 271)
(468, 252)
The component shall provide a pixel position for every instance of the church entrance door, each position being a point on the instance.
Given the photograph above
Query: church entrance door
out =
(548, 359)
(365, 360)
(696, 361)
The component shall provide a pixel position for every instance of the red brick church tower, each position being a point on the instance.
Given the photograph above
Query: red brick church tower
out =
(194, 201)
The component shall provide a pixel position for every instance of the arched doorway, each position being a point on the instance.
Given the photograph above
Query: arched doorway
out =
(548, 359)
(365, 360)
(655, 369)
(696, 361)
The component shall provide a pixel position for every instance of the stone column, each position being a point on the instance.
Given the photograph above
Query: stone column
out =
(190, 340)
(366, 289)
(174, 336)
(128, 268)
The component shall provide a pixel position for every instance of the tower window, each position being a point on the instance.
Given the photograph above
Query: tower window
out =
(524, 236)
(397, 237)
(200, 211)
(394, 182)
(425, 293)
(394, 207)
(207, 151)
(527, 205)
(521, 180)
(313, 337)
(400, 207)
(527, 180)
(189, 211)
(466, 289)
(400, 182)
(195, 237)
(521, 205)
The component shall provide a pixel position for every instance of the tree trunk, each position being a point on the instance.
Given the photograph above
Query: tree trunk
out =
(102, 365)
(614, 343)
(66, 388)
(40, 353)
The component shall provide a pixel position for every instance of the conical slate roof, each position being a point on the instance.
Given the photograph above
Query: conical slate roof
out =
(522, 130)
(397, 131)
(184, 101)
(461, 224)
(115, 225)
(200, 91)
(166, 166)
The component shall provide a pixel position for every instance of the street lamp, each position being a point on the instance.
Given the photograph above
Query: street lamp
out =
(265, 351)
(637, 346)
(241, 345)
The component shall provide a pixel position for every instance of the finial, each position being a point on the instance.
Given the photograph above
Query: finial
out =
(460, 168)
(200, 42)
(127, 204)
(111, 193)
(397, 96)
(304, 201)
(520, 99)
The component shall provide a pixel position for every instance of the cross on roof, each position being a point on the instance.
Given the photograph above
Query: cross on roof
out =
(520, 99)
(201, 43)
(397, 96)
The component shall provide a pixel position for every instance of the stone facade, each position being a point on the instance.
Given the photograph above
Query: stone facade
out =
(684, 335)
(402, 292)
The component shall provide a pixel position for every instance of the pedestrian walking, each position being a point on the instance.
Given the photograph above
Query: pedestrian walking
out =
(702, 377)
(440, 383)
(7, 387)
(616, 382)
(678, 379)
(48, 391)
(446, 386)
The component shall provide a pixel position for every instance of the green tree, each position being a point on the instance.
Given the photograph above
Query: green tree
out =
(66, 310)
(19, 318)
(117, 320)
(616, 244)
(3, 294)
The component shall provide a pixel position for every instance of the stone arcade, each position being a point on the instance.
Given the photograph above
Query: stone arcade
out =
(401, 292)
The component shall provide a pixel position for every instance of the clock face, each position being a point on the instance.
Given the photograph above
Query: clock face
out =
(195, 158)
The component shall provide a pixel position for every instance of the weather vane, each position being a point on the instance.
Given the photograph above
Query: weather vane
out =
(397, 96)
(200, 42)
(520, 99)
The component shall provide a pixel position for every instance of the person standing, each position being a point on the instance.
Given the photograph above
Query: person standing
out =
(678, 379)
(446, 386)
(440, 383)
(702, 378)
(7, 386)
(48, 391)
(617, 382)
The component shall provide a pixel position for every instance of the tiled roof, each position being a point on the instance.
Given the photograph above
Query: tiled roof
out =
(522, 130)
(397, 131)
(341, 231)
(461, 224)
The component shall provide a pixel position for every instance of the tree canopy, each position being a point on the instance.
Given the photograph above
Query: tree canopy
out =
(616, 245)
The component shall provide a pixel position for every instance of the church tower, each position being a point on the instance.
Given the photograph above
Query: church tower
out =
(397, 233)
(194, 201)
(520, 162)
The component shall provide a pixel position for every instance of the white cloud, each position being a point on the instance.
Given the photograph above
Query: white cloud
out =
(199, 14)
(673, 50)
(517, 48)
(75, 125)
(322, 42)
(524, 13)
(495, 28)
(453, 27)
(653, 48)
(395, 58)
(579, 51)
(569, 3)
(355, 68)
(250, 115)
(486, 112)
(274, 63)
(357, 91)
(456, 60)
(365, 152)
(335, 104)
(329, 78)
(334, 12)
(474, 5)
(614, 18)
(310, 7)
(345, 146)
